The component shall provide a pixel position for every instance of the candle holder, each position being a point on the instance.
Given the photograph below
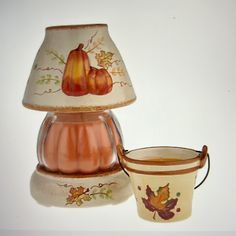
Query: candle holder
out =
(78, 75)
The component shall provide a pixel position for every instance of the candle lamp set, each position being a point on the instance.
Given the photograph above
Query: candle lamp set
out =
(77, 77)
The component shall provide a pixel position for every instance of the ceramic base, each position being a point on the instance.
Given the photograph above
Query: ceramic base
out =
(51, 189)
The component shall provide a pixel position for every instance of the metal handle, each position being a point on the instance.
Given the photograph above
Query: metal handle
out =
(120, 153)
(204, 156)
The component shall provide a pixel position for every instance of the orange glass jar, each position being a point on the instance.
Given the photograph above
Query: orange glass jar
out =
(74, 143)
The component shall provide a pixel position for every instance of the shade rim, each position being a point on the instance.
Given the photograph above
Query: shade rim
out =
(76, 26)
(70, 109)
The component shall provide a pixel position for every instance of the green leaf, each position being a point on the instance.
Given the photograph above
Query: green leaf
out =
(86, 197)
(103, 190)
(79, 202)
(101, 196)
(109, 191)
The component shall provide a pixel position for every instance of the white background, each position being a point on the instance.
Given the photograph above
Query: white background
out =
(181, 57)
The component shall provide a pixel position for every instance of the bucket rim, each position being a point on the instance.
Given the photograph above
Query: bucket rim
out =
(162, 163)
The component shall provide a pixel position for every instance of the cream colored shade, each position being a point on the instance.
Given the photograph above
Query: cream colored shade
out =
(97, 79)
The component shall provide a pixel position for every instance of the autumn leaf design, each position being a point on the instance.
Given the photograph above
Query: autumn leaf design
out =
(77, 195)
(160, 202)
(47, 79)
(104, 59)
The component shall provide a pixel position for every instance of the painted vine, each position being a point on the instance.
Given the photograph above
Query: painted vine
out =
(79, 195)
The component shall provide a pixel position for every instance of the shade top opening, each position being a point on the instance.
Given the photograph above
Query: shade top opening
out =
(75, 26)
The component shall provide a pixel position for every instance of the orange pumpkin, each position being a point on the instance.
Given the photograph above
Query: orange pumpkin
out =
(78, 142)
(74, 81)
(99, 81)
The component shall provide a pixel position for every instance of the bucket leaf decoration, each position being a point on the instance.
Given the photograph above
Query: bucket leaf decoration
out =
(160, 203)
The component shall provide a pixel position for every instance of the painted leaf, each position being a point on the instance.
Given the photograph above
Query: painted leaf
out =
(104, 59)
(163, 193)
(76, 195)
(160, 202)
(77, 191)
(79, 202)
(70, 199)
(170, 204)
(148, 205)
(166, 214)
(157, 200)
(86, 197)
(79, 195)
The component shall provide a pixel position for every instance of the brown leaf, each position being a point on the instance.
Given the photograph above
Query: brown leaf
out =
(148, 205)
(166, 214)
(77, 191)
(160, 202)
(170, 204)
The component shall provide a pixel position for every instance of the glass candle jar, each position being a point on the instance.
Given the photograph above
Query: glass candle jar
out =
(74, 143)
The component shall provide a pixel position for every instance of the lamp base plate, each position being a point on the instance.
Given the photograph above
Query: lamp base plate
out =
(50, 189)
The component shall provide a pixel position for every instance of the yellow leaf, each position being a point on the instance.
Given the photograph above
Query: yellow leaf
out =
(104, 59)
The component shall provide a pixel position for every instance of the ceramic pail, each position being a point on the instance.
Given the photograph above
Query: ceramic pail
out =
(163, 180)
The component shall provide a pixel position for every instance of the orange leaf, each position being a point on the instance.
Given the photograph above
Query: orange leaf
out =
(75, 192)
(158, 201)
(162, 195)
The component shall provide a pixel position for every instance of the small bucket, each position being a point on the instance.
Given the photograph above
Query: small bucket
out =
(163, 180)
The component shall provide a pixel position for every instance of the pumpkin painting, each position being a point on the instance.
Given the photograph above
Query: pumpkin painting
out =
(74, 81)
(99, 81)
(74, 143)
(80, 78)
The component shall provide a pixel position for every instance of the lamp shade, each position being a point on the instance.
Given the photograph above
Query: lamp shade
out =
(78, 68)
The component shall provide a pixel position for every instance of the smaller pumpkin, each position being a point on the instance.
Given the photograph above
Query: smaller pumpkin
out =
(74, 81)
(99, 81)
